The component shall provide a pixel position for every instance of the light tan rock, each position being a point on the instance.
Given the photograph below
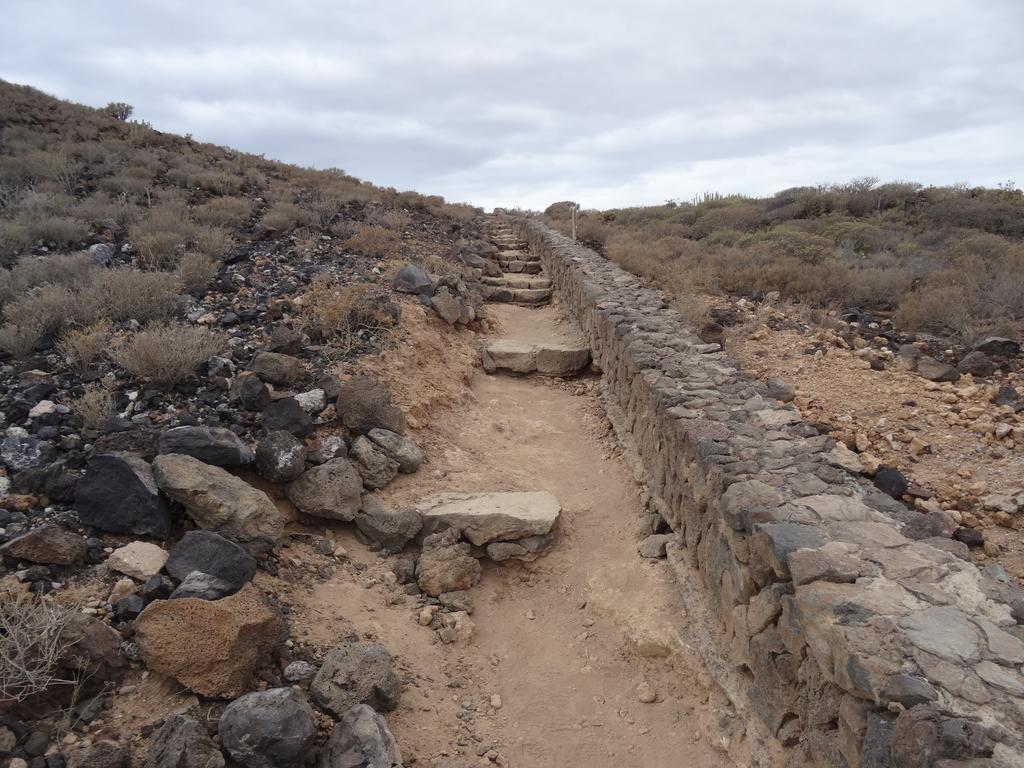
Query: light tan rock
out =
(486, 517)
(139, 559)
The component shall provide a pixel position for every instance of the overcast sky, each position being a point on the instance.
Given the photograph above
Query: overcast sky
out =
(525, 102)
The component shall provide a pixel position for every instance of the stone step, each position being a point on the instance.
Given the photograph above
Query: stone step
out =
(545, 359)
(521, 267)
(518, 255)
(488, 518)
(517, 281)
(505, 295)
(510, 242)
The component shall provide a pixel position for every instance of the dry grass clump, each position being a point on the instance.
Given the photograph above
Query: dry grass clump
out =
(123, 293)
(95, 407)
(196, 271)
(282, 217)
(19, 340)
(338, 313)
(167, 354)
(84, 346)
(375, 241)
(32, 643)
(233, 212)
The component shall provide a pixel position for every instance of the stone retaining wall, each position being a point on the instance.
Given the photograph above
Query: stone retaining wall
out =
(863, 631)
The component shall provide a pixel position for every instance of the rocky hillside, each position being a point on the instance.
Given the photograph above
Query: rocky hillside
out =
(180, 379)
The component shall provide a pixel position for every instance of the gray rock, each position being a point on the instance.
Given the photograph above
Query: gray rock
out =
(286, 415)
(456, 601)
(19, 450)
(356, 673)
(390, 529)
(412, 279)
(312, 401)
(998, 345)
(487, 517)
(445, 564)
(448, 306)
(944, 631)
(332, 490)
(211, 553)
(775, 541)
(277, 368)
(218, 501)
(280, 457)
(401, 449)
(908, 355)
(182, 743)
(102, 754)
(285, 339)
(101, 253)
(299, 671)
(119, 494)
(268, 729)
(977, 364)
(375, 467)
(936, 370)
(249, 392)
(323, 449)
(203, 586)
(654, 545)
(526, 549)
(780, 390)
(364, 403)
(361, 740)
(213, 445)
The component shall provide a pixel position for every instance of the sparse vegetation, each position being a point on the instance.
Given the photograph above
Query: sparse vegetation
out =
(84, 346)
(167, 354)
(95, 407)
(338, 313)
(944, 260)
(375, 241)
(32, 642)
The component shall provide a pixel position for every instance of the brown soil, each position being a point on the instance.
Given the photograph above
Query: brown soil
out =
(564, 641)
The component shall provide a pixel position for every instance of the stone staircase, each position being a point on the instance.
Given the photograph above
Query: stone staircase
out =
(522, 279)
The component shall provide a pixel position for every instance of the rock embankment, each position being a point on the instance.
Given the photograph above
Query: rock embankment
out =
(865, 633)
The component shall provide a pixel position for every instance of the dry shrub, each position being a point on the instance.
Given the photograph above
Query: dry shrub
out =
(168, 354)
(84, 346)
(31, 272)
(123, 293)
(160, 236)
(212, 241)
(32, 643)
(935, 308)
(337, 313)
(233, 212)
(158, 250)
(95, 407)
(196, 271)
(390, 218)
(282, 217)
(19, 339)
(375, 241)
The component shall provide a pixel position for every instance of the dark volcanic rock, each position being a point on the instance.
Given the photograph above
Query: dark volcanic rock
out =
(280, 457)
(119, 494)
(182, 743)
(364, 403)
(891, 481)
(202, 586)
(356, 673)
(287, 415)
(249, 391)
(977, 364)
(361, 739)
(277, 368)
(412, 279)
(267, 729)
(211, 553)
(213, 445)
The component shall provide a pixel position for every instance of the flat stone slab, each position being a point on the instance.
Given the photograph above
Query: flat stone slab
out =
(487, 517)
(528, 296)
(517, 281)
(546, 359)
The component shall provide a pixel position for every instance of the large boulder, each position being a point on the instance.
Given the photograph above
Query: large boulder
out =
(332, 490)
(390, 529)
(361, 739)
(445, 564)
(401, 449)
(277, 368)
(287, 415)
(119, 494)
(267, 729)
(412, 279)
(356, 673)
(182, 743)
(48, 544)
(280, 456)
(487, 517)
(374, 465)
(211, 647)
(213, 445)
(364, 403)
(218, 501)
(211, 553)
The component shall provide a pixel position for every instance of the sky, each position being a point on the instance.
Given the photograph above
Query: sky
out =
(525, 103)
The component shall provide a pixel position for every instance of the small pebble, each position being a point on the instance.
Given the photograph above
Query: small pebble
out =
(645, 693)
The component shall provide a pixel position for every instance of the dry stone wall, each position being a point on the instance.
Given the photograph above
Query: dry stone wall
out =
(864, 632)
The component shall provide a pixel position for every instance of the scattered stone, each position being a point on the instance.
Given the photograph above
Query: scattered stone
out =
(286, 415)
(447, 306)
(202, 586)
(212, 445)
(285, 339)
(48, 544)
(139, 559)
(654, 546)
(977, 364)
(998, 345)
(780, 390)
(249, 391)
(364, 403)
(486, 517)
(277, 368)
(361, 739)
(102, 754)
(312, 402)
(280, 457)
(267, 729)
(935, 370)
(19, 450)
(645, 693)
(390, 529)
(356, 673)
(332, 490)
(445, 564)
(326, 448)
(182, 743)
(211, 647)
(374, 465)
(211, 553)
(412, 279)
(218, 501)
(525, 550)
(456, 628)
(891, 481)
(119, 494)
(299, 671)
(401, 449)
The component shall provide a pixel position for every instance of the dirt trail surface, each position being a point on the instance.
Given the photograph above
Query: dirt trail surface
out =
(568, 649)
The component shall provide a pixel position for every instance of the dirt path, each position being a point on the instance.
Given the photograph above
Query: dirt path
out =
(567, 643)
